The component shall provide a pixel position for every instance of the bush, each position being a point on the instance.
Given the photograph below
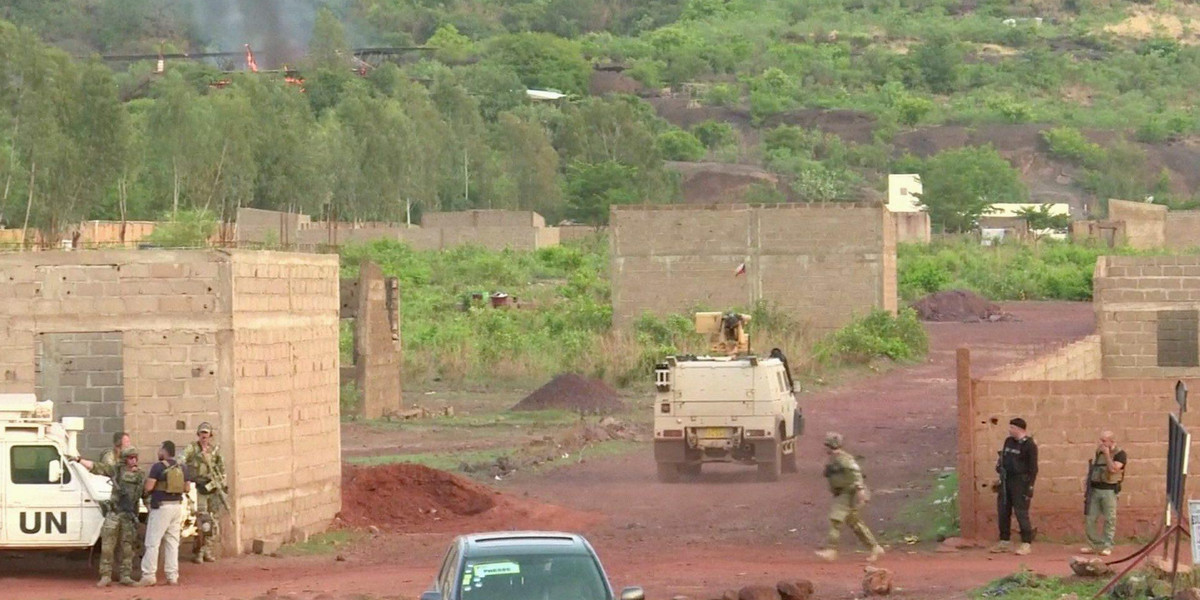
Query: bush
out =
(715, 134)
(191, 228)
(723, 94)
(878, 335)
(678, 144)
(1069, 143)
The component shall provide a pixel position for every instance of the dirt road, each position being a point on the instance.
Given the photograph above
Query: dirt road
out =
(697, 538)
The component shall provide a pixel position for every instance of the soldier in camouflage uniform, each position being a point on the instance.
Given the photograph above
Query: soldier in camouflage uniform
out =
(203, 460)
(120, 523)
(111, 459)
(849, 495)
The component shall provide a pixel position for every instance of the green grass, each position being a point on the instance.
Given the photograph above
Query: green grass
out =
(1025, 585)
(935, 514)
(507, 419)
(322, 543)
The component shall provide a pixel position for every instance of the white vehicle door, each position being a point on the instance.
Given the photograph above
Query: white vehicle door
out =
(43, 499)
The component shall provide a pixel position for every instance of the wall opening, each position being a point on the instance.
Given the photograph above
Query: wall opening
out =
(83, 374)
(1178, 338)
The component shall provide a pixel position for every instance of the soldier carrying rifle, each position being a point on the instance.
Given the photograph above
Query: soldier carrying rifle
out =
(203, 458)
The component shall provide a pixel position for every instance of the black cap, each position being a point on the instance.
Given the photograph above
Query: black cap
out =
(1019, 422)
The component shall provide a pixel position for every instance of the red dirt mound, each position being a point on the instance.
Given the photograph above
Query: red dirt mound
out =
(409, 498)
(958, 305)
(572, 392)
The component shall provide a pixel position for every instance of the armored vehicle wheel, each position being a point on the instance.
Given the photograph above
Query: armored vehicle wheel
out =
(771, 471)
(668, 472)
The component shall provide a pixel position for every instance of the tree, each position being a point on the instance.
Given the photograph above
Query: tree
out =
(328, 48)
(542, 60)
(960, 185)
(678, 144)
(528, 161)
(592, 188)
(452, 46)
(939, 61)
(1040, 219)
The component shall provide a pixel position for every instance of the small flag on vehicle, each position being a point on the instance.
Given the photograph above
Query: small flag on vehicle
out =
(740, 270)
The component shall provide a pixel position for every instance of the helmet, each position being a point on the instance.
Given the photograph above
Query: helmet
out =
(130, 451)
(204, 427)
(833, 440)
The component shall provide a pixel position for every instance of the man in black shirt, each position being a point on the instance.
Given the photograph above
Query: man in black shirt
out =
(1018, 469)
(1105, 476)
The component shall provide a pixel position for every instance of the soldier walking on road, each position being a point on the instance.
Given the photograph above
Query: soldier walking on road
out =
(204, 463)
(120, 523)
(849, 495)
(1104, 479)
(1018, 468)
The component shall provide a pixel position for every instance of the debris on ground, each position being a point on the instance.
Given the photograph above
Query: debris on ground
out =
(573, 442)
(959, 305)
(954, 544)
(801, 589)
(575, 393)
(877, 581)
(758, 592)
(414, 498)
(1084, 566)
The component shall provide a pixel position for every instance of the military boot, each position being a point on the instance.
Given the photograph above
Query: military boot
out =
(876, 552)
(198, 557)
(105, 581)
(1023, 550)
(1001, 547)
(828, 554)
(127, 580)
(144, 582)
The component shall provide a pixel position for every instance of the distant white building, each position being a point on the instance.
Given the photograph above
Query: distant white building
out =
(1013, 209)
(904, 191)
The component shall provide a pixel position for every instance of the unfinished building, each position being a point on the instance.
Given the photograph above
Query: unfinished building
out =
(821, 263)
(156, 342)
(1122, 378)
(371, 308)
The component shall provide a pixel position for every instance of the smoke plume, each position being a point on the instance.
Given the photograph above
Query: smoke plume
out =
(277, 30)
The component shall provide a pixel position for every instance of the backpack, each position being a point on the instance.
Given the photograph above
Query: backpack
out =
(173, 480)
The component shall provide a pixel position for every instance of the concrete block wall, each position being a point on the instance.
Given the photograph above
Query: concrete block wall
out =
(1130, 294)
(912, 227)
(181, 339)
(373, 301)
(286, 426)
(569, 233)
(83, 374)
(823, 263)
(1145, 224)
(483, 218)
(1065, 419)
(1078, 360)
(1182, 230)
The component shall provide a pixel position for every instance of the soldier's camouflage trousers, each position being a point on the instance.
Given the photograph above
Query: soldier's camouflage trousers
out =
(844, 511)
(211, 505)
(120, 529)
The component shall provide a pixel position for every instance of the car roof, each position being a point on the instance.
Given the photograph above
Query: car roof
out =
(525, 542)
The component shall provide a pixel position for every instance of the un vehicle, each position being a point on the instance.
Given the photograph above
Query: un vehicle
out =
(732, 406)
(48, 502)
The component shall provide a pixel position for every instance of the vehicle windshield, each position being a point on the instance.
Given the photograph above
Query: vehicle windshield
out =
(542, 577)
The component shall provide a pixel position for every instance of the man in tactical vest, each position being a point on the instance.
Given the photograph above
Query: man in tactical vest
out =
(166, 484)
(110, 460)
(1018, 468)
(203, 460)
(120, 522)
(849, 495)
(1104, 480)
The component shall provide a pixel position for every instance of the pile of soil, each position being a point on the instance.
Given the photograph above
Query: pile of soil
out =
(959, 305)
(573, 392)
(409, 498)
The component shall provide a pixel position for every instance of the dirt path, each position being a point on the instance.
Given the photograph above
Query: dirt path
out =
(694, 538)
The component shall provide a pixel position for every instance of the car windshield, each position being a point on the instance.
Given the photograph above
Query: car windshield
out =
(542, 577)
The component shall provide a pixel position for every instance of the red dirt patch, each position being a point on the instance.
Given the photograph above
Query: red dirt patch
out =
(958, 305)
(409, 498)
(573, 392)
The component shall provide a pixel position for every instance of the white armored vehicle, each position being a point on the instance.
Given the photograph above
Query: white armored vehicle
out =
(731, 407)
(46, 501)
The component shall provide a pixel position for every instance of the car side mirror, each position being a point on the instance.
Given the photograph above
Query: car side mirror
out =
(54, 471)
(629, 593)
(431, 596)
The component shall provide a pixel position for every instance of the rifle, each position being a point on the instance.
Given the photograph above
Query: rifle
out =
(1087, 493)
(219, 489)
(1000, 470)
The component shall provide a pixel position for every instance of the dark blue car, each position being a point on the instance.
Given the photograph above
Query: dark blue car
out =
(523, 565)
